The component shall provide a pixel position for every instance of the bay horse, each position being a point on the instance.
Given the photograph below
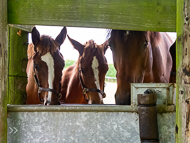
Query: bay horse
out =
(139, 57)
(44, 68)
(83, 82)
(173, 71)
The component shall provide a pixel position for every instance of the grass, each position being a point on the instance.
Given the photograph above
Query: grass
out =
(69, 63)
(111, 72)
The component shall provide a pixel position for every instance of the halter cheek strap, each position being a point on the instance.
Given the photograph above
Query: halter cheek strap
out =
(40, 89)
(85, 89)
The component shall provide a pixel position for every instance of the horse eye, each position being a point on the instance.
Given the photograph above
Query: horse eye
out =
(36, 67)
(82, 70)
(145, 44)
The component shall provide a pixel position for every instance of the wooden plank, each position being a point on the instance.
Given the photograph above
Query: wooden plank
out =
(154, 15)
(17, 90)
(18, 45)
(3, 70)
(183, 76)
(27, 28)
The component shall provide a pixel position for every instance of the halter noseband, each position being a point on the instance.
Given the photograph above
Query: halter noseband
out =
(40, 89)
(85, 89)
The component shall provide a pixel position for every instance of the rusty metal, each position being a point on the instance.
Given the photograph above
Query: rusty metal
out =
(148, 118)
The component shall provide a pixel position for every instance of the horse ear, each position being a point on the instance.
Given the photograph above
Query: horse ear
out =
(62, 35)
(105, 46)
(35, 37)
(78, 46)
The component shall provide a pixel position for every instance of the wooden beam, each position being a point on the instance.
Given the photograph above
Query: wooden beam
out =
(183, 70)
(3, 70)
(18, 44)
(154, 15)
(27, 28)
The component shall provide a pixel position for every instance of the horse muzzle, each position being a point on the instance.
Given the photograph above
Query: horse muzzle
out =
(47, 102)
(123, 99)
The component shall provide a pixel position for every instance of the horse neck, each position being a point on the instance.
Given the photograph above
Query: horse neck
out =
(74, 92)
(74, 77)
(31, 87)
(161, 62)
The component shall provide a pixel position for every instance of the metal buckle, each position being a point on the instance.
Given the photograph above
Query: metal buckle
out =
(104, 95)
(39, 91)
(85, 90)
(59, 96)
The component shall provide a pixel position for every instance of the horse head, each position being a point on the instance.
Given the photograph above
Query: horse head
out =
(47, 65)
(92, 68)
(138, 58)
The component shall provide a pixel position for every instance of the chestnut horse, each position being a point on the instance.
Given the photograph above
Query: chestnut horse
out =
(83, 82)
(139, 57)
(44, 68)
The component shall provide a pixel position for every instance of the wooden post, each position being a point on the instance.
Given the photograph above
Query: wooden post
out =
(3, 70)
(17, 80)
(183, 70)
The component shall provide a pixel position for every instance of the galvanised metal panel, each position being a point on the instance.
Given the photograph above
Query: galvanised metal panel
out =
(90, 123)
(84, 127)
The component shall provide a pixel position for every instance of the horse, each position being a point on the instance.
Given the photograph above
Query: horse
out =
(173, 71)
(44, 68)
(139, 57)
(83, 82)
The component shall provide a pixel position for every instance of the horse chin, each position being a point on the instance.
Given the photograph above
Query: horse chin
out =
(95, 102)
(124, 99)
(50, 103)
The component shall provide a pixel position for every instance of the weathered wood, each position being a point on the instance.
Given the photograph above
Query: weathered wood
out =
(183, 70)
(27, 28)
(154, 15)
(3, 70)
(17, 90)
(18, 43)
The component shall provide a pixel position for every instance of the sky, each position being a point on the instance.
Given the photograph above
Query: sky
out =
(81, 35)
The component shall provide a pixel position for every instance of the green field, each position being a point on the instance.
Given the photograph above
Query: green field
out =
(111, 72)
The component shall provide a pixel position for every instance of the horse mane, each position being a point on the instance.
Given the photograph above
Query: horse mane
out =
(46, 44)
(30, 51)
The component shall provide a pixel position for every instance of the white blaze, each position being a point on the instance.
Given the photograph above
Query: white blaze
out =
(94, 66)
(48, 59)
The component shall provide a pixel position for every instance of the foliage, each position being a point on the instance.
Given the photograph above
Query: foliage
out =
(111, 72)
(69, 63)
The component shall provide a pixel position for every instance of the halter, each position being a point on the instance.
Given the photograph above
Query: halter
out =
(40, 89)
(85, 89)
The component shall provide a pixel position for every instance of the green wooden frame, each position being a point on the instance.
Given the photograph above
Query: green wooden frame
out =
(3, 70)
(182, 65)
(17, 58)
(154, 15)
